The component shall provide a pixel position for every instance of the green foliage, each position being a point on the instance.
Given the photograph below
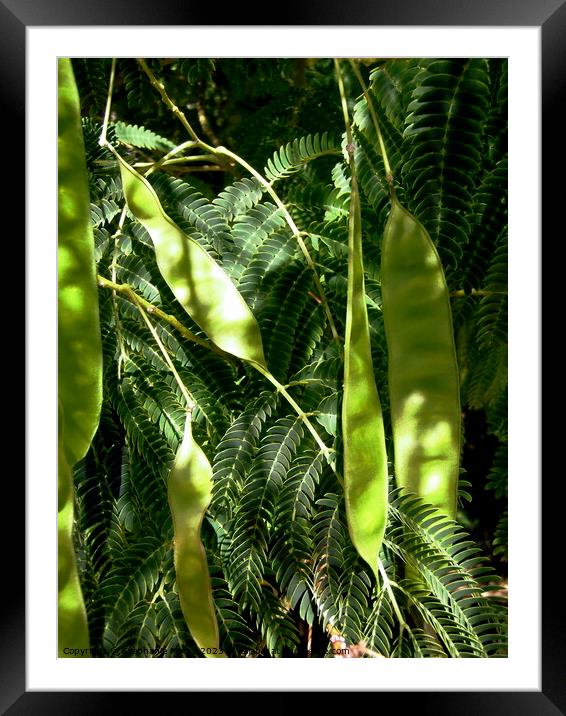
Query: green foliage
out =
(277, 543)
(290, 158)
(140, 137)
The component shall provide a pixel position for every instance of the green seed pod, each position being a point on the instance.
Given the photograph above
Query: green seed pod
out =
(365, 455)
(200, 285)
(190, 491)
(423, 370)
(79, 348)
(72, 628)
(79, 343)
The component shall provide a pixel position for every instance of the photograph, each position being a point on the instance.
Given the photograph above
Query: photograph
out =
(279, 364)
(282, 391)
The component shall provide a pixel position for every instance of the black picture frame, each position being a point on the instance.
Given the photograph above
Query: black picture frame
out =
(15, 17)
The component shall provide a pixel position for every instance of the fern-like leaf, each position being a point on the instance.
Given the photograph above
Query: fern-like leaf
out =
(253, 520)
(291, 157)
(235, 452)
(239, 197)
(133, 577)
(443, 146)
(141, 137)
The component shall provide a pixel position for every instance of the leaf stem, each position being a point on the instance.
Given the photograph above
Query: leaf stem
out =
(127, 291)
(189, 400)
(388, 172)
(179, 160)
(224, 152)
(102, 141)
(326, 451)
(387, 584)
(344, 102)
(160, 87)
(166, 158)
(294, 230)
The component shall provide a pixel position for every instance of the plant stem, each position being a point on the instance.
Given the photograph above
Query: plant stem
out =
(166, 158)
(180, 160)
(295, 231)
(189, 400)
(387, 584)
(346, 114)
(388, 172)
(160, 87)
(102, 140)
(127, 291)
(223, 152)
(476, 292)
(326, 451)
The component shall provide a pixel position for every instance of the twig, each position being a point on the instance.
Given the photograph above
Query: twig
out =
(102, 140)
(295, 231)
(205, 124)
(388, 172)
(226, 153)
(128, 292)
(476, 292)
(189, 400)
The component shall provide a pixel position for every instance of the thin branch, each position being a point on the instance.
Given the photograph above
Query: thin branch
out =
(223, 152)
(179, 160)
(165, 159)
(326, 451)
(295, 231)
(189, 400)
(160, 87)
(388, 172)
(345, 113)
(387, 584)
(128, 292)
(102, 140)
(476, 292)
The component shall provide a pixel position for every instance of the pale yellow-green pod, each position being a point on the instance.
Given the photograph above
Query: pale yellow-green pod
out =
(200, 285)
(79, 349)
(72, 627)
(365, 455)
(189, 490)
(423, 371)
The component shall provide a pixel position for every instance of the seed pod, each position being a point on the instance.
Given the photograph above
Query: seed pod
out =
(79, 343)
(365, 455)
(189, 489)
(423, 370)
(200, 285)
(72, 628)
(79, 349)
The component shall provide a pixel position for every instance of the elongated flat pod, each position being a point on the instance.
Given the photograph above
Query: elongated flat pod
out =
(365, 455)
(423, 370)
(189, 490)
(72, 626)
(79, 342)
(79, 350)
(200, 285)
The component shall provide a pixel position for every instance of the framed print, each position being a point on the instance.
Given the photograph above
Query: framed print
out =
(527, 679)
